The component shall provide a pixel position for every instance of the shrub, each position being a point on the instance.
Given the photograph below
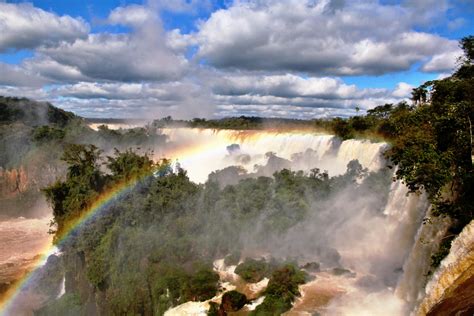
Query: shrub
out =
(252, 270)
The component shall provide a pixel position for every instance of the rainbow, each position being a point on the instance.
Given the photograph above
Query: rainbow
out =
(10, 299)
(101, 203)
(186, 153)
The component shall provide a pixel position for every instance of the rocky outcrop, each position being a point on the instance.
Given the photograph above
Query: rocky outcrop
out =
(77, 282)
(20, 189)
(13, 182)
(451, 290)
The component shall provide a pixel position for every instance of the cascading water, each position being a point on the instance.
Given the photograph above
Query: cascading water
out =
(206, 150)
(385, 247)
(390, 246)
(62, 288)
(417, 266)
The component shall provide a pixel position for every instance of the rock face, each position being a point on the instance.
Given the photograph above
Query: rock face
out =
(20, 189)
(451, 290)
(13, 182)
(77, 282)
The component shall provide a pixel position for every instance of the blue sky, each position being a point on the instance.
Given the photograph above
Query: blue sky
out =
(318, 58)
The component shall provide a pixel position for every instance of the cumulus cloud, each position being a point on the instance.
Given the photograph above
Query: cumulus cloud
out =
(181, 99)
(141, 55)
(444, 62)
(187, 6)
(403, 90)
(26, 92)
(230, 95)
(17, 76)
(332, 38)
(173, 91)
(134, 15)
(296, 96)
(290, 86)
(53, 70)
(23, 26)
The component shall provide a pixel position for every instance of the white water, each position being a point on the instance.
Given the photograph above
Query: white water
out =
(201, 151)
(381, 247)
(375, 248)
(416, 267)
(62, 288)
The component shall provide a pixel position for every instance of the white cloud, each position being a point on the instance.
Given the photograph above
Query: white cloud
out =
(444, 62)
(291, 95)
(16, 76)
(188, 6)
(23, 26)
(360, 37)
(151, 100)
(277, 95)
(456, 24)
(142, 55)
(124, 91)
(24, 92)
(134, 15)
(403, 90)
(290, 86)
(49, 68)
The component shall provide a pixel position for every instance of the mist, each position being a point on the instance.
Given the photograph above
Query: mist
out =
(364, 225)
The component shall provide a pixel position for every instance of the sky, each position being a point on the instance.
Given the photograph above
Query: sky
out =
(218, 58)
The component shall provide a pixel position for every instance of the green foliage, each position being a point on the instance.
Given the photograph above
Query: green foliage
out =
(312, 266)
(202, 285)
(442, 252)
(59, 117)
(252, 270)
(68, 304)
(232, 301)
(281, 291)
(213, 309)
(153, 248)
(232, 259)
(242, 122)
(7, 113)
(340, 271)
(343, 129)
(127, 165)
(46, 133)
(83, 183)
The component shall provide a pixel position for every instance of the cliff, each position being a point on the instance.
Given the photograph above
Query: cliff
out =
(451, 290)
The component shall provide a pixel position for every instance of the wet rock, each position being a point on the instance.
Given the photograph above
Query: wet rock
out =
(311, 267)
(342, 271)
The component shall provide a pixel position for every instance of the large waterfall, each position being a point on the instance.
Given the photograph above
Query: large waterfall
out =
(201, 151)
(391, 249)
(385, 242)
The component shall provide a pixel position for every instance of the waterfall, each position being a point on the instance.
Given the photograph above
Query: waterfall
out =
(201, 151)
(367, 152)
(62, 288)
(417, 266)
(394, 247)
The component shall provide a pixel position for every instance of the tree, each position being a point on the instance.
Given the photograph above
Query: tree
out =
(418, 95)
(128, 164)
